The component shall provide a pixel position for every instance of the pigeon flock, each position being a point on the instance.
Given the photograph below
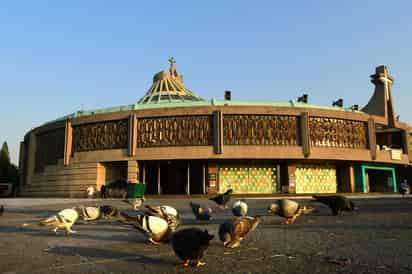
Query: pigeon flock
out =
(159, 224)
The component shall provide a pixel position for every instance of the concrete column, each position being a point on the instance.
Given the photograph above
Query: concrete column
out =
(132, 171)
(22, 163)
(158, 179)
(144, 174)
(372, 138)
(352, 178)
(204, 178)
(292, 179)
(132, 145)
(218, 132)
(278, 182)
(188, 179)
(405, 140)
(68, 140)
(304, 133)
(31, 157)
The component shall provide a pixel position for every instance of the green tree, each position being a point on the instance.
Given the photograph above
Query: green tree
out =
(8, 171)
(4, 155)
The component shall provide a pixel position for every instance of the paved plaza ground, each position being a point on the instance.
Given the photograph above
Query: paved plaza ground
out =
(375, 239)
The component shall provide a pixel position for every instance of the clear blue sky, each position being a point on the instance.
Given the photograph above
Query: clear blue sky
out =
(56, 56)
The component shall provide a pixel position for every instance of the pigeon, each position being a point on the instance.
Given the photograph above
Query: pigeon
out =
(91, 213)
(107, 211)
(201, 213)
(63, 219)
(168, 213)
(337, 203)
(404, 188)
(222, 199)
(154, 228)
(190, 244)
(289, 209)
(1, 210)
(239, 208)
(232, 232)
(135, 203)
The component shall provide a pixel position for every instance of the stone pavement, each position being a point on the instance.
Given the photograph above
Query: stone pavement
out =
(375, 239)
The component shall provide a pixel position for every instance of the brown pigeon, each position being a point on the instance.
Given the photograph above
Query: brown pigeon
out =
(289, 209)
(232, 232)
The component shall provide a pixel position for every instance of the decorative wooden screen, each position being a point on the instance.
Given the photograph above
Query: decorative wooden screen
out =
(175, 131)
(315, 179)
(330, 132)
(49, 148)
(243, 179)
(260, 130)
(100, 136)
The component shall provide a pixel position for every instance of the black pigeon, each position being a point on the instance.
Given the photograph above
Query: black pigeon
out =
(200, 212)
(1, 210)
(337, 203)
(222, 199)
(190, 244)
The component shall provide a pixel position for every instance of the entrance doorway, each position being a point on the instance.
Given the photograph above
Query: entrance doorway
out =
(378, 179)
(173, 176)
(108, 172)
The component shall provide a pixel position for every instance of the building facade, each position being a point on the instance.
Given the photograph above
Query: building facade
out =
(178, 143)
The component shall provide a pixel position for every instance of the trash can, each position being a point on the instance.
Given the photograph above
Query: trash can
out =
(136, 190)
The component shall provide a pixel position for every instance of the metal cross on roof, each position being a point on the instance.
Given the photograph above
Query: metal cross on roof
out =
(172, 61)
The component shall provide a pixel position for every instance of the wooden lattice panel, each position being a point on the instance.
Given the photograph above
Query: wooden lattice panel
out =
(330, 132)
(175, 131)
(100, 136)
(260, 130)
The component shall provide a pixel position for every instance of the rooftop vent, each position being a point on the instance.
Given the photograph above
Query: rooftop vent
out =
(228, 95)
(338, 103)
(303, 98)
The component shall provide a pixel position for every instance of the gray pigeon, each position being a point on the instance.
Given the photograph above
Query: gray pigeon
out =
(239, 208)
(201, 213)
(289, 210)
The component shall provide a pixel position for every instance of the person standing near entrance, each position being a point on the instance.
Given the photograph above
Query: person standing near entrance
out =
(404, 188)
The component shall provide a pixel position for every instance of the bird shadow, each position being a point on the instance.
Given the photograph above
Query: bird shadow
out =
(202, 222)
(79, 235)
(86, 233)
(336, 226)
(91, 252)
